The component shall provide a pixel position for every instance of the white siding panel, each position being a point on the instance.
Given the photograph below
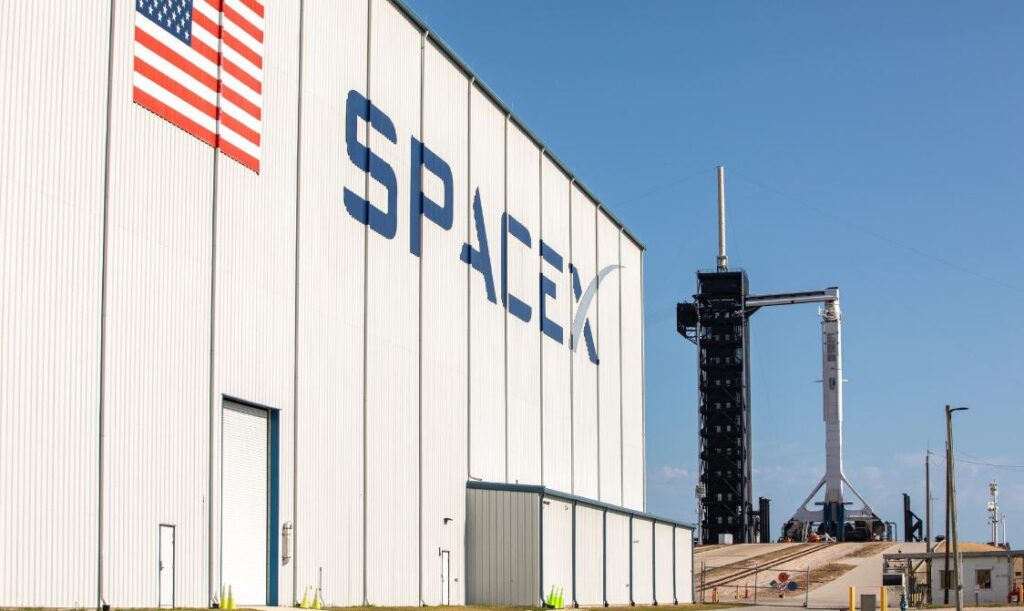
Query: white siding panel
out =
(589, 556)
(684, 565)
(522, 264)
(557, 547)
(158, 345)
(586, 481)
(392, 319)
(444, 333)
(53, 91)
(487, 317)
(329, 435)
(255, 267)
(609, 372)
(617, 558)
(632, 376)
(556, 357)
(643, 562)
(663, 575)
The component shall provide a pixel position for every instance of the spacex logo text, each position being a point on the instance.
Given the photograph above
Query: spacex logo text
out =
(385, 223)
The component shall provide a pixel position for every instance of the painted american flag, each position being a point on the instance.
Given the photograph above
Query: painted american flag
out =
(199, 64)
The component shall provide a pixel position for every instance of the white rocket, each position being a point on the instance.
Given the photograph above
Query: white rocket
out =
(833, 512)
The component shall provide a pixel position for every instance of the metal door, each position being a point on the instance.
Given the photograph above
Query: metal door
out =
(166, 595)
(445, 574)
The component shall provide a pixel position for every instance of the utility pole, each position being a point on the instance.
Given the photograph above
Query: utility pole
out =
(928, 517)
(957, 560)
(946, 541)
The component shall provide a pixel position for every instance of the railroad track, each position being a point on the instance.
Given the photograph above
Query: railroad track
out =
(706, 548)
(745, 571)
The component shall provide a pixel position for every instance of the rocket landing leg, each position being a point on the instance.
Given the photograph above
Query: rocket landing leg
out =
(834, 519)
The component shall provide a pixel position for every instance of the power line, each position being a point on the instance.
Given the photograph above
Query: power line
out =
(980, 462)
(647, 194)
(879, 236)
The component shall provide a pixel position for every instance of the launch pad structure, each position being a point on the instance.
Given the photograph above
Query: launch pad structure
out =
(718, 322)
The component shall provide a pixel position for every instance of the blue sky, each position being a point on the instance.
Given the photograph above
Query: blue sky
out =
(876, 146)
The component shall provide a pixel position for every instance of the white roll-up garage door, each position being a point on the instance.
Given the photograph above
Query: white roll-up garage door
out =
(244, 503)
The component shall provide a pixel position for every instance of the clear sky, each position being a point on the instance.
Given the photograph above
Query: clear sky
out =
(874, 146)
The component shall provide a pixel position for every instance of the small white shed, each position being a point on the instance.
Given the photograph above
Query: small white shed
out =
(988, 577)
(521, 541)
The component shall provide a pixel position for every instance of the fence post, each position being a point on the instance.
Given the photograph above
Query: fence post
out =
(703, 578)
(807, 588)
(757, 569)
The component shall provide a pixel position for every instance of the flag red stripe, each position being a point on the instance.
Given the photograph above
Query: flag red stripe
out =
(173, 86)
(243, 76)
(253, 57)
(254, 6)
(236, 126)
(240, 156)
(175, 117)
(176, 60)
(216, 4)
(240, 101)
(243, 23)
(206, 50)
(206, 23)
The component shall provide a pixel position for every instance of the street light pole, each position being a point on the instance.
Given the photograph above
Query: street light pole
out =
(957, 560)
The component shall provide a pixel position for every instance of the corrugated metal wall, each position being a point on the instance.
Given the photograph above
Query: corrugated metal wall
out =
(617, 550)
(331, 300)
(254, 300)
(157, 344)
(392, 326)
(397, 375)
(609, 374)
(502, 548)
(585, 455)
(487, 414)
(557, 547)
(684, 566)
(555, 359)
(522, 265)
(589, 556)
(636, 564)
(51, 244)
(643, 565)
(664, 552)
(633, 440)
(445, 333)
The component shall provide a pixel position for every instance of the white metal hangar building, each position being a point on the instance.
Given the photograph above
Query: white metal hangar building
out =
(290, 301)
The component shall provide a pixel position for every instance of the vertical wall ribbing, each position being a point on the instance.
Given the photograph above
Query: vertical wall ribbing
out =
(103, 312)
(296, 311)
(366, 290)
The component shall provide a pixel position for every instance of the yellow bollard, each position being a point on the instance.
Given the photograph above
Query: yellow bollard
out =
(317, 603)
(853, 598)
(884, 599)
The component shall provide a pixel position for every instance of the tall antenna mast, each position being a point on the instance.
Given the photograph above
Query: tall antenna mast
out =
(723, 259)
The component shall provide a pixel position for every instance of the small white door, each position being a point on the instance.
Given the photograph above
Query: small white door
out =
(444, 578)
(166, 565)
(244, 503)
